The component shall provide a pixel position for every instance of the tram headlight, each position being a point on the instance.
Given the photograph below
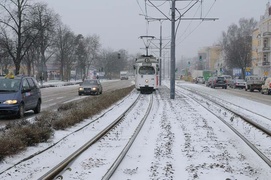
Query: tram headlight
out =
(146, 81)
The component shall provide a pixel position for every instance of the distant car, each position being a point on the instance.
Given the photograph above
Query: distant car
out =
(209, 81)
(19, 94)
(266, 87)
(238, 83)
(200, 80)
(218, 81)
(228, 78)
(254, 82)
(90, 86)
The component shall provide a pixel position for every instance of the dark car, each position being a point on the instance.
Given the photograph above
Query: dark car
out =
(209, 81)
(238, 83)
(90, 86)
(19, 94)
(219, 81)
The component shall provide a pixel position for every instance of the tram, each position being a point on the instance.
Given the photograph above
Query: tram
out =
(146, 73)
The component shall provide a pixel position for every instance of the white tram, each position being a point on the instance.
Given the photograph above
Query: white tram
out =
(146, 73)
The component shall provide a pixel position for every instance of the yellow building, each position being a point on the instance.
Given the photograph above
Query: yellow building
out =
(261, 45)
(211, 57)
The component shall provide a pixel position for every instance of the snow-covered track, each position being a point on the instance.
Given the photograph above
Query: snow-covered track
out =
(257, 123)
(115, 165)
(60, 171)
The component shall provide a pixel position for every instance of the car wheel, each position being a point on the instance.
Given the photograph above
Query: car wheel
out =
(37, 108)
(79, 94)
(225, 87)
(20, 113)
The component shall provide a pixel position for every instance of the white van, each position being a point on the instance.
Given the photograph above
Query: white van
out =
(266, 87)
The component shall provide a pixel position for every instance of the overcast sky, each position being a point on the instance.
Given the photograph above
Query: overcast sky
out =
(119, 23)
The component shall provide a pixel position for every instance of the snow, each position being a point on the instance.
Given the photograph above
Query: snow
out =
(179, 140)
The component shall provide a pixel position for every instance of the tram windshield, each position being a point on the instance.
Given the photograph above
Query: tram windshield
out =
(146, 70)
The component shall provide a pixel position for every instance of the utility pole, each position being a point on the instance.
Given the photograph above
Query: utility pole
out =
(160, 56)
(147, 44)
(160, 44)
(173, 35)
(172, 52)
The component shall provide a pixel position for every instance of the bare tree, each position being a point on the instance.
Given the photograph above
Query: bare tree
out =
(81, 56)
(46, 21)
(92, 49)
(15, 25)
(5, 60)
(65, 50)
(237, 44)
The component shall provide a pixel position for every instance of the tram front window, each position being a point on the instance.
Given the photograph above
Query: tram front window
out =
(146, 70)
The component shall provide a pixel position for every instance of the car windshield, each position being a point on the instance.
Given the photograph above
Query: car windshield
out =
(89, 82)
(220, 78)
(9, 85)
(240, 80)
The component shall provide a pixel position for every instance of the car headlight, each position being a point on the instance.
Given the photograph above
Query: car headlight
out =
(10, 102)
(94, 88)
(81, 88)
(146, 81)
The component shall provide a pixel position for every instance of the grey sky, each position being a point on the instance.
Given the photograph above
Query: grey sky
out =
(119, 23)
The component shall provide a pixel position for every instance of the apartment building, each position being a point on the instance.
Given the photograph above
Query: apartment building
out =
(261, 45)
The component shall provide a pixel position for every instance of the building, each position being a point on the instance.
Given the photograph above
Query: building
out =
(261, 45)
(211, 59)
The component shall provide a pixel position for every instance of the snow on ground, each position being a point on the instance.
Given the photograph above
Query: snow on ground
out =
(180, 140)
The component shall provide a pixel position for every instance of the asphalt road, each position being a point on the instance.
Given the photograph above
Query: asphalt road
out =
(52, 97)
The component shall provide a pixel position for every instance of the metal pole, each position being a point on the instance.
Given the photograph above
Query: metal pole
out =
(41, 79)
(172, 70)
(160, 60)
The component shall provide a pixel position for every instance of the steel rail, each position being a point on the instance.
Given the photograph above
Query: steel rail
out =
(119, 159)
(206, 95)
(55, 171)
(248, 120)
(255, 149)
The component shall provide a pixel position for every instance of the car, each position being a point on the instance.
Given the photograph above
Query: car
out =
(19, 94)
(90, 87)
(200, 80)
(254, 82)
(209, 81)
(218, 81)
(228, 78)
(238, 83)
(266, 87)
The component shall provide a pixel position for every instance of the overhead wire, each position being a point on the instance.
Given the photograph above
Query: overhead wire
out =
(190, 22)
(151, 5)
(199, 23)
(140, 7)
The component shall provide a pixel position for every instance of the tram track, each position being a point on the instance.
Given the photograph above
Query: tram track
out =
(232, 118)
(92, 126)
(60, 170)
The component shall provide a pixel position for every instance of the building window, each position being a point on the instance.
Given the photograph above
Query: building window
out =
(264, 58)
(265, 43)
